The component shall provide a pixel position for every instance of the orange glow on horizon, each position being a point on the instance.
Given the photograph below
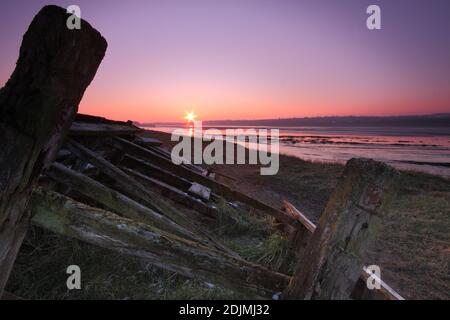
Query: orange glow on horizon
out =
(159, 111)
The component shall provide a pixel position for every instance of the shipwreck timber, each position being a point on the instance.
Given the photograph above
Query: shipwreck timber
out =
(113, 188)
(106, 187)
(37, 106)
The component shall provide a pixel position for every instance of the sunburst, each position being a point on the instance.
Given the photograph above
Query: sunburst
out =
(190, 116)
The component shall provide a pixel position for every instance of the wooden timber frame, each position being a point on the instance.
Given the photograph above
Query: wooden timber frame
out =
(298, 222)
(132, 197)
(114, 189)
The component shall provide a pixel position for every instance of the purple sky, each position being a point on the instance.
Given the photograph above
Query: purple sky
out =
(239, 59)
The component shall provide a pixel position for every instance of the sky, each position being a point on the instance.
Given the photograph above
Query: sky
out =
(256, 59)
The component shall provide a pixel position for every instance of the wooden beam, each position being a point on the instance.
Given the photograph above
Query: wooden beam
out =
(301, 239)
(173, 194)
(215, 186)
(146, 196)
(116, 201)
(297, 215)
(88, 118)
(37, 106)
(127, 183)
(166, 153)
(101, 129)
(153, 171)
(148, 141)
(63, 215)
(331, 263)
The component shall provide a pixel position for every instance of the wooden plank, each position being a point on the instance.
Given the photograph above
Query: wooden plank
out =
(215, 186)
(147, 141)
(225, 176)
(307, 228)
(37, 106)
(297, 215)
(88, 118)
(116, 201)
(348, 224)
(100, 129)
(63, 215)
(107, 168)
(166, 154)
(147, 197)
(174, 194)
(152, 170)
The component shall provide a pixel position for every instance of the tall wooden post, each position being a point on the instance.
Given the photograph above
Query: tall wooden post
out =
(37, 106)
(331, 262)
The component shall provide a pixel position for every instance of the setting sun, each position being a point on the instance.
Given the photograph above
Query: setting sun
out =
(190, 116)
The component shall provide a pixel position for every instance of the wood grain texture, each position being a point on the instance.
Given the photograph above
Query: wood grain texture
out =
(331, 263)
(63, 215)
(37, 106)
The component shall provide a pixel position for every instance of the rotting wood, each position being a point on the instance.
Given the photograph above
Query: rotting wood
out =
(162, 155)
(96, 129)
(165, 153)
(173, 194)
(127, 183)
(296, 214)
(330, 265)
(215, 186)
(148, 197)
(147, 141)
(115, 201)
(301, 238)
(225, 176)
(87, 118)
(37, 106)
(156, 172)
(298, 236)
(63, 215)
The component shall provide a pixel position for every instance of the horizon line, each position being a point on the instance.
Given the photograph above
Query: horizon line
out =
(305, 117)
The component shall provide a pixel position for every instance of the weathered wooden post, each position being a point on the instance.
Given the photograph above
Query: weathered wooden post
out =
(37, 106)
(331, 262)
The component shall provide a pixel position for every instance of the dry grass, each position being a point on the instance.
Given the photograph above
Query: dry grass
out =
(40, 273)
(414, 250)
(414, 247)
(40, 268)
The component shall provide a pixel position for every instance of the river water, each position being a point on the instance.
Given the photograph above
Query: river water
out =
(421, 149)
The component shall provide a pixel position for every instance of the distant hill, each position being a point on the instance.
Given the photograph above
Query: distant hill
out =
(432, 120)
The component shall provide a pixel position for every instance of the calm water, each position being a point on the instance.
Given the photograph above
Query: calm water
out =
(421, 149)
